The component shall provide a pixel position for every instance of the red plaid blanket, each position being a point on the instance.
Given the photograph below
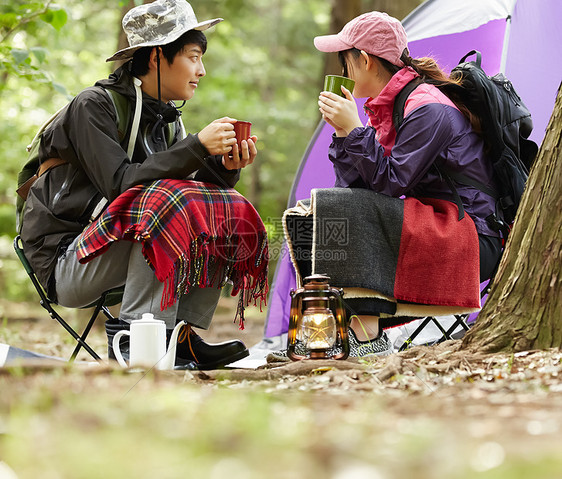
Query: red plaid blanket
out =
(185, 226)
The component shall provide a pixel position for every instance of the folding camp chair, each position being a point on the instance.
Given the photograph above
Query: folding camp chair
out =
(109, 298)
(460, 320)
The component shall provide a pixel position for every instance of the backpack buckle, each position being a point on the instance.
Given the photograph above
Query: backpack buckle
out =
(497, 225)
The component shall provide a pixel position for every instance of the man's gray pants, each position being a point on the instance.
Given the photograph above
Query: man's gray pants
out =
(79, 285)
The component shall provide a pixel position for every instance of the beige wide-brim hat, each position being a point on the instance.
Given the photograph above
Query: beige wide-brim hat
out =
(158, 23)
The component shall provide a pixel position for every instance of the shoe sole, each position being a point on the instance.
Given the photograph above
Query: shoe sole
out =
(223, 362)
(378, 355)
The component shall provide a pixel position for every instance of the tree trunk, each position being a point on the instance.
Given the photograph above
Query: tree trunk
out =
(342, 12)
(524, 309)
(395, 8)
(122, 37)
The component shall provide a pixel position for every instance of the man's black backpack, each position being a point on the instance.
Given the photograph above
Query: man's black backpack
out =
(506, 126)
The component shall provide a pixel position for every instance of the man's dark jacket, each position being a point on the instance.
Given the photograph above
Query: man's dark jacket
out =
(61, 202)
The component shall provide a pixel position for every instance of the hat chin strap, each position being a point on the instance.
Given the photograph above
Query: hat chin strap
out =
(158, 74)
(157, 130)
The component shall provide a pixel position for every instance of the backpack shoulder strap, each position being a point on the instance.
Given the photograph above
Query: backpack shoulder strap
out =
(400, 102)
(122, 112)
(465, 180)
(173, 130)
(123, 115)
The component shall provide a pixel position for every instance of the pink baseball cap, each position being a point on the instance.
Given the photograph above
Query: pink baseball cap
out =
(376, 33)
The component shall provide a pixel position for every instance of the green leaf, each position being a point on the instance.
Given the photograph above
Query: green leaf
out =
(8, 20)
(40, 53)
(56, 18)
(60, 18)
(19, 55)
(47, 17)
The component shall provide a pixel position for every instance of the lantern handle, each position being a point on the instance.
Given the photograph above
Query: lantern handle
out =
(342, 323)
(296, 306)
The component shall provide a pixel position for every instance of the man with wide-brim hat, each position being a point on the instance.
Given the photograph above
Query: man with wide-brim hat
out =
(104, 149)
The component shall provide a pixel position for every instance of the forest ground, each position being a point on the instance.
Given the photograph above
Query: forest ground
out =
(429, 412)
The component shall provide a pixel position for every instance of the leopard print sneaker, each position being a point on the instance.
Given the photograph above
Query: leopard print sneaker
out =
(380, 346)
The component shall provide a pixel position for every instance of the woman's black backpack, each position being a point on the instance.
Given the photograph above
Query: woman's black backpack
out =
(506, 126)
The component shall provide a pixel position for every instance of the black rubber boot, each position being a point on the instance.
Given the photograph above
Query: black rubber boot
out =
(112, 327)
(192, 347)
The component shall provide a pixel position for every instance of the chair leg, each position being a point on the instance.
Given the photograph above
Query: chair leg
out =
(446, 334)
(460, 321)
(48, 305)
(74, 334)
(418, 330)
(82, 341)
(442, 329)
(107, 313)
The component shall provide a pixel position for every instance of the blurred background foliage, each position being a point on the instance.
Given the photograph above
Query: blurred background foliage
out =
(261, 66)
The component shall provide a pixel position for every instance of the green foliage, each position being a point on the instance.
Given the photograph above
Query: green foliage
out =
(261, 66)
(55, 17)
(19, 20)
(41, 68)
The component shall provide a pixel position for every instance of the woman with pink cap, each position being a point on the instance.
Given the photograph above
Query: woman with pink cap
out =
(403, 161)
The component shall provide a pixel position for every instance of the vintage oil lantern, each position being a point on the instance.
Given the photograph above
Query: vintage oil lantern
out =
(318, 323)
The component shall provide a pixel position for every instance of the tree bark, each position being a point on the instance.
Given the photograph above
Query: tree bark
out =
(395, 8)
(342, 12)
(524, 308)
(122, 41)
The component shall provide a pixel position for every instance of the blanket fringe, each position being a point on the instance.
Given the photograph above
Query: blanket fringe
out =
(248, 275)
(204, 236)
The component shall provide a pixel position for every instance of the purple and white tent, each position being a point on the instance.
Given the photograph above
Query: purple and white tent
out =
(517, 37)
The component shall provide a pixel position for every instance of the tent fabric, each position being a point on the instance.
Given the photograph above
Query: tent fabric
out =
(517, 37)
(532, 62)
(437, 17)
(487, 38)
(522, 44)
(10, 355)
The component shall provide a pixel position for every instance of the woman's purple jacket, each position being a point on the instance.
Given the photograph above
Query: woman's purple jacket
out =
(400, 163)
